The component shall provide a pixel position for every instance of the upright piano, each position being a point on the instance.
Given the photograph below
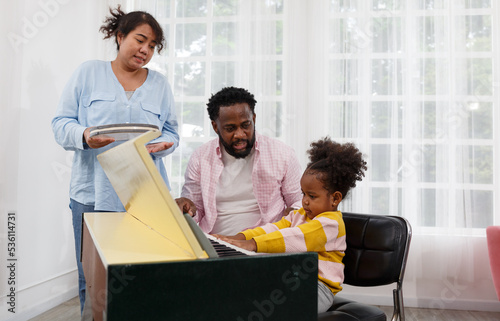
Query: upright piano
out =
(153, 263)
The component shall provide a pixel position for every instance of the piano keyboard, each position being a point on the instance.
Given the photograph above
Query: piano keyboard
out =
(225, 249)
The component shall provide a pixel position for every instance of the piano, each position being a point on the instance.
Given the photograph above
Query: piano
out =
(154, 263)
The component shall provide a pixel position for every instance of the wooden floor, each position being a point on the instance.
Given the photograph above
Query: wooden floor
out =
(70, 310)
(414, 314)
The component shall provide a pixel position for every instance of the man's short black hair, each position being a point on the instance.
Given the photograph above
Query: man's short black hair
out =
(229, 96)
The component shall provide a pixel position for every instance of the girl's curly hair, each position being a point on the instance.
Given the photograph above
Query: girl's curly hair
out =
(338, 166)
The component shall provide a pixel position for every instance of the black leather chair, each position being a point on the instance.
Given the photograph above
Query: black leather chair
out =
(377, 249)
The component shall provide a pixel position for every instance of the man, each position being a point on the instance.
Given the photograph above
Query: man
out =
(242, 179)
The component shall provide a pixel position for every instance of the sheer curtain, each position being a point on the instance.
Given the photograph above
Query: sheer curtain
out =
(413, 83)
(211, 45)
(416, 91)
(415, 77)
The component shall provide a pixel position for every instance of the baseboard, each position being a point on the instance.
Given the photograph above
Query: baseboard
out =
(456, 304)
(38, 298)
(426, 303)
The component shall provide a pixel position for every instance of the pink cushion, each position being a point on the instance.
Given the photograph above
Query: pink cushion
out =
(493, 238)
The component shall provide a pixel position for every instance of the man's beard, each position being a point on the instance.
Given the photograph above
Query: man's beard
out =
(242, 153)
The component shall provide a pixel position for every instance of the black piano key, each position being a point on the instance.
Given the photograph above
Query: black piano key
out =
(225, 251)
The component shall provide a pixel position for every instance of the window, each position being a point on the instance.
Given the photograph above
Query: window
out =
(416, 93)
(413, 83)
(211, 45)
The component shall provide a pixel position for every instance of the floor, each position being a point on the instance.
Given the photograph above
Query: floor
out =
(414, 314)
(70, 310)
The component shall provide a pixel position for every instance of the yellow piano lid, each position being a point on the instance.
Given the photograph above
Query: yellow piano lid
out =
(122, 239)
(144, 194)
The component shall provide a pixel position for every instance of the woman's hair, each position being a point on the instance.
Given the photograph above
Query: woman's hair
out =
(337, 166)
(120, 22)
(227, 97)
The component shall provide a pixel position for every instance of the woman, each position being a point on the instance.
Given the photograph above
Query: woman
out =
(111, 92)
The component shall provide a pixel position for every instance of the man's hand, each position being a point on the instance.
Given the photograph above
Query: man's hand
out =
(186, 205)
(97, 141)
(158, 147)
(287, 210)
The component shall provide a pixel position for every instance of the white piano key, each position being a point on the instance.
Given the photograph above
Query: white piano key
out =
(239, 249)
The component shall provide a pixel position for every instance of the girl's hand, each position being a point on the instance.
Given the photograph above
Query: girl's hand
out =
(239, 241)
(238, 236)
(248, 245)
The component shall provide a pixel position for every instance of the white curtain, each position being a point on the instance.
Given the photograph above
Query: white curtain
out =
(413, 83)
(410, 82)
(211, 45)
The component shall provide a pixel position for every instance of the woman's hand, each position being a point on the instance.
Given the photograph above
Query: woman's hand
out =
(97, 141)
(158, 147)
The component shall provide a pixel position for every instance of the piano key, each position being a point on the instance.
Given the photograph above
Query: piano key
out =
(224, 251)
(227, 249)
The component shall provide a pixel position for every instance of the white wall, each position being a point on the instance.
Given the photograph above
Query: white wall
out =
(43, 41)
(34, 174)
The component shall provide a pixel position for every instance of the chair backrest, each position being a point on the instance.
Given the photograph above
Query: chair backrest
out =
(377, 249)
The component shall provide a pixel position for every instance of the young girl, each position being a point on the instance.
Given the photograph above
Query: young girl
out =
(318, 226)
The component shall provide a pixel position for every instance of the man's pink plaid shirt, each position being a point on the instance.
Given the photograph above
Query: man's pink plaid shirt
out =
(276, 180)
